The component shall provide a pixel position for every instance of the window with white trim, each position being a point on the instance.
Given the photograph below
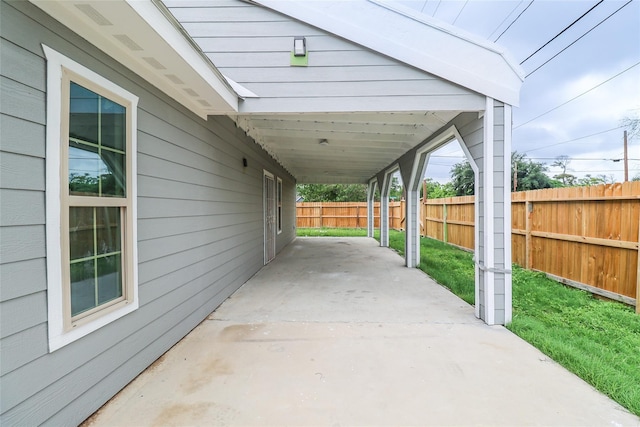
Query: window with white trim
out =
(279, 204)
(91, 200)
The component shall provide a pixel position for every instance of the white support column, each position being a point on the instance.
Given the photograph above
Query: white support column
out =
(489, 238)
(494, 261)
(384, 207)
(508, 282)
(371, 193)
(412, 231)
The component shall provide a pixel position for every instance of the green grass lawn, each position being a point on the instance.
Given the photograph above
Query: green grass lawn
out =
(332, 232)
(597, 340)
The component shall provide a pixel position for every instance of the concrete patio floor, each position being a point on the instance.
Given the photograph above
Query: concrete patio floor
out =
(337, 332)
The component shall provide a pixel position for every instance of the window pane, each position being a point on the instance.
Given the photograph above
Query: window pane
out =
(109, 278)
(85, 169)
(83, 286)
(83, 118)
(113, 124)
(95, 174)
(113, 181)
(97, 145)
(107, 230)
(81, 233)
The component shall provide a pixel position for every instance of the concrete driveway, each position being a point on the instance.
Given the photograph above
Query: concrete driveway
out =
(337, 332)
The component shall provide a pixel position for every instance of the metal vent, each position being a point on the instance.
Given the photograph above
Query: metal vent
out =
(126, 40)
(154, 63)
(174, 79)
(191, 92)
(93, 14)
(203, 102)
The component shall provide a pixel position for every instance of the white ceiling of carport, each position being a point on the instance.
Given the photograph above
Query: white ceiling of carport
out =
(359, 144)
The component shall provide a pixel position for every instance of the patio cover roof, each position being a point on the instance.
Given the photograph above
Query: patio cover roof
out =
(366, 134)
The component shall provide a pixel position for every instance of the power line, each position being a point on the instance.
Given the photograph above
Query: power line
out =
(437, 7)
(460, 13)
(576, 40)
(514, 21)
(575, 139)
(561, 32)
(505, 19)
(578, 96)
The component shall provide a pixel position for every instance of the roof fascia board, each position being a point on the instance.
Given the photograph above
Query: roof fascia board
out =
(501, 79)
(454, 31)
(144, 24)
(167, 27)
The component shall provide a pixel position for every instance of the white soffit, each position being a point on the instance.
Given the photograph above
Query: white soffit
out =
(137, 34)
(414, 39)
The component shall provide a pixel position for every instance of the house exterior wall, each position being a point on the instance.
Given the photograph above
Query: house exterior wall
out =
(200, 229)
(252, 45)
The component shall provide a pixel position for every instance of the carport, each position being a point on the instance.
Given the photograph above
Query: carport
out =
(375, 89)
(337, 331)
(338, 92)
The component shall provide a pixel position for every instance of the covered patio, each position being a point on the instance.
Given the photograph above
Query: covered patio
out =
(336, 331)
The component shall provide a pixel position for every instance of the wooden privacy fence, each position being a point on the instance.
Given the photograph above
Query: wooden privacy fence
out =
(585, 237)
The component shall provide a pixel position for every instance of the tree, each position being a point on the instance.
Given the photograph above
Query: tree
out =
(436, 190)
(396, 190)
(530, 175)
(333, 192)
(589, 180)
(462, 179)
(632, 123)
(562, 162)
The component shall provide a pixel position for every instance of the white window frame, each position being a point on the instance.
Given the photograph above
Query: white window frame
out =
(279, 205)
(60, 331)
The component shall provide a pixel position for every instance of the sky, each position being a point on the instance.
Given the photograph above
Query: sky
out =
(601, 71)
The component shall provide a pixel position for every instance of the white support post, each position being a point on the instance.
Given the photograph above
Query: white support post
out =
(384, 205)
(488, 213)
(508, 278)
(371, 194)
(412, 240)
(493, 264)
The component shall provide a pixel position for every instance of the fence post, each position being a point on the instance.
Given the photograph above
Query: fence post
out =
(357, 216)
(528, 256)
(638, 278)
(445, 227)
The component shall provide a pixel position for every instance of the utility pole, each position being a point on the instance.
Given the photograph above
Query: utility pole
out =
(626, 159)
(515, 177)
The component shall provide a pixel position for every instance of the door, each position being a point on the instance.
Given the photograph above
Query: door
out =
(269, 195)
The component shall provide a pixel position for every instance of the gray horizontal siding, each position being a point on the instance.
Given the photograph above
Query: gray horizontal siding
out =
(23, 313)
(12, 205)
(15, 131)
(252, 45)
(200, 230)
(23, 278)
(19, 349)
(20, 100)
(21, 172)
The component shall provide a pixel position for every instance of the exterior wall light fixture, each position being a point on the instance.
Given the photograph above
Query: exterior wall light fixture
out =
(299, 46)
